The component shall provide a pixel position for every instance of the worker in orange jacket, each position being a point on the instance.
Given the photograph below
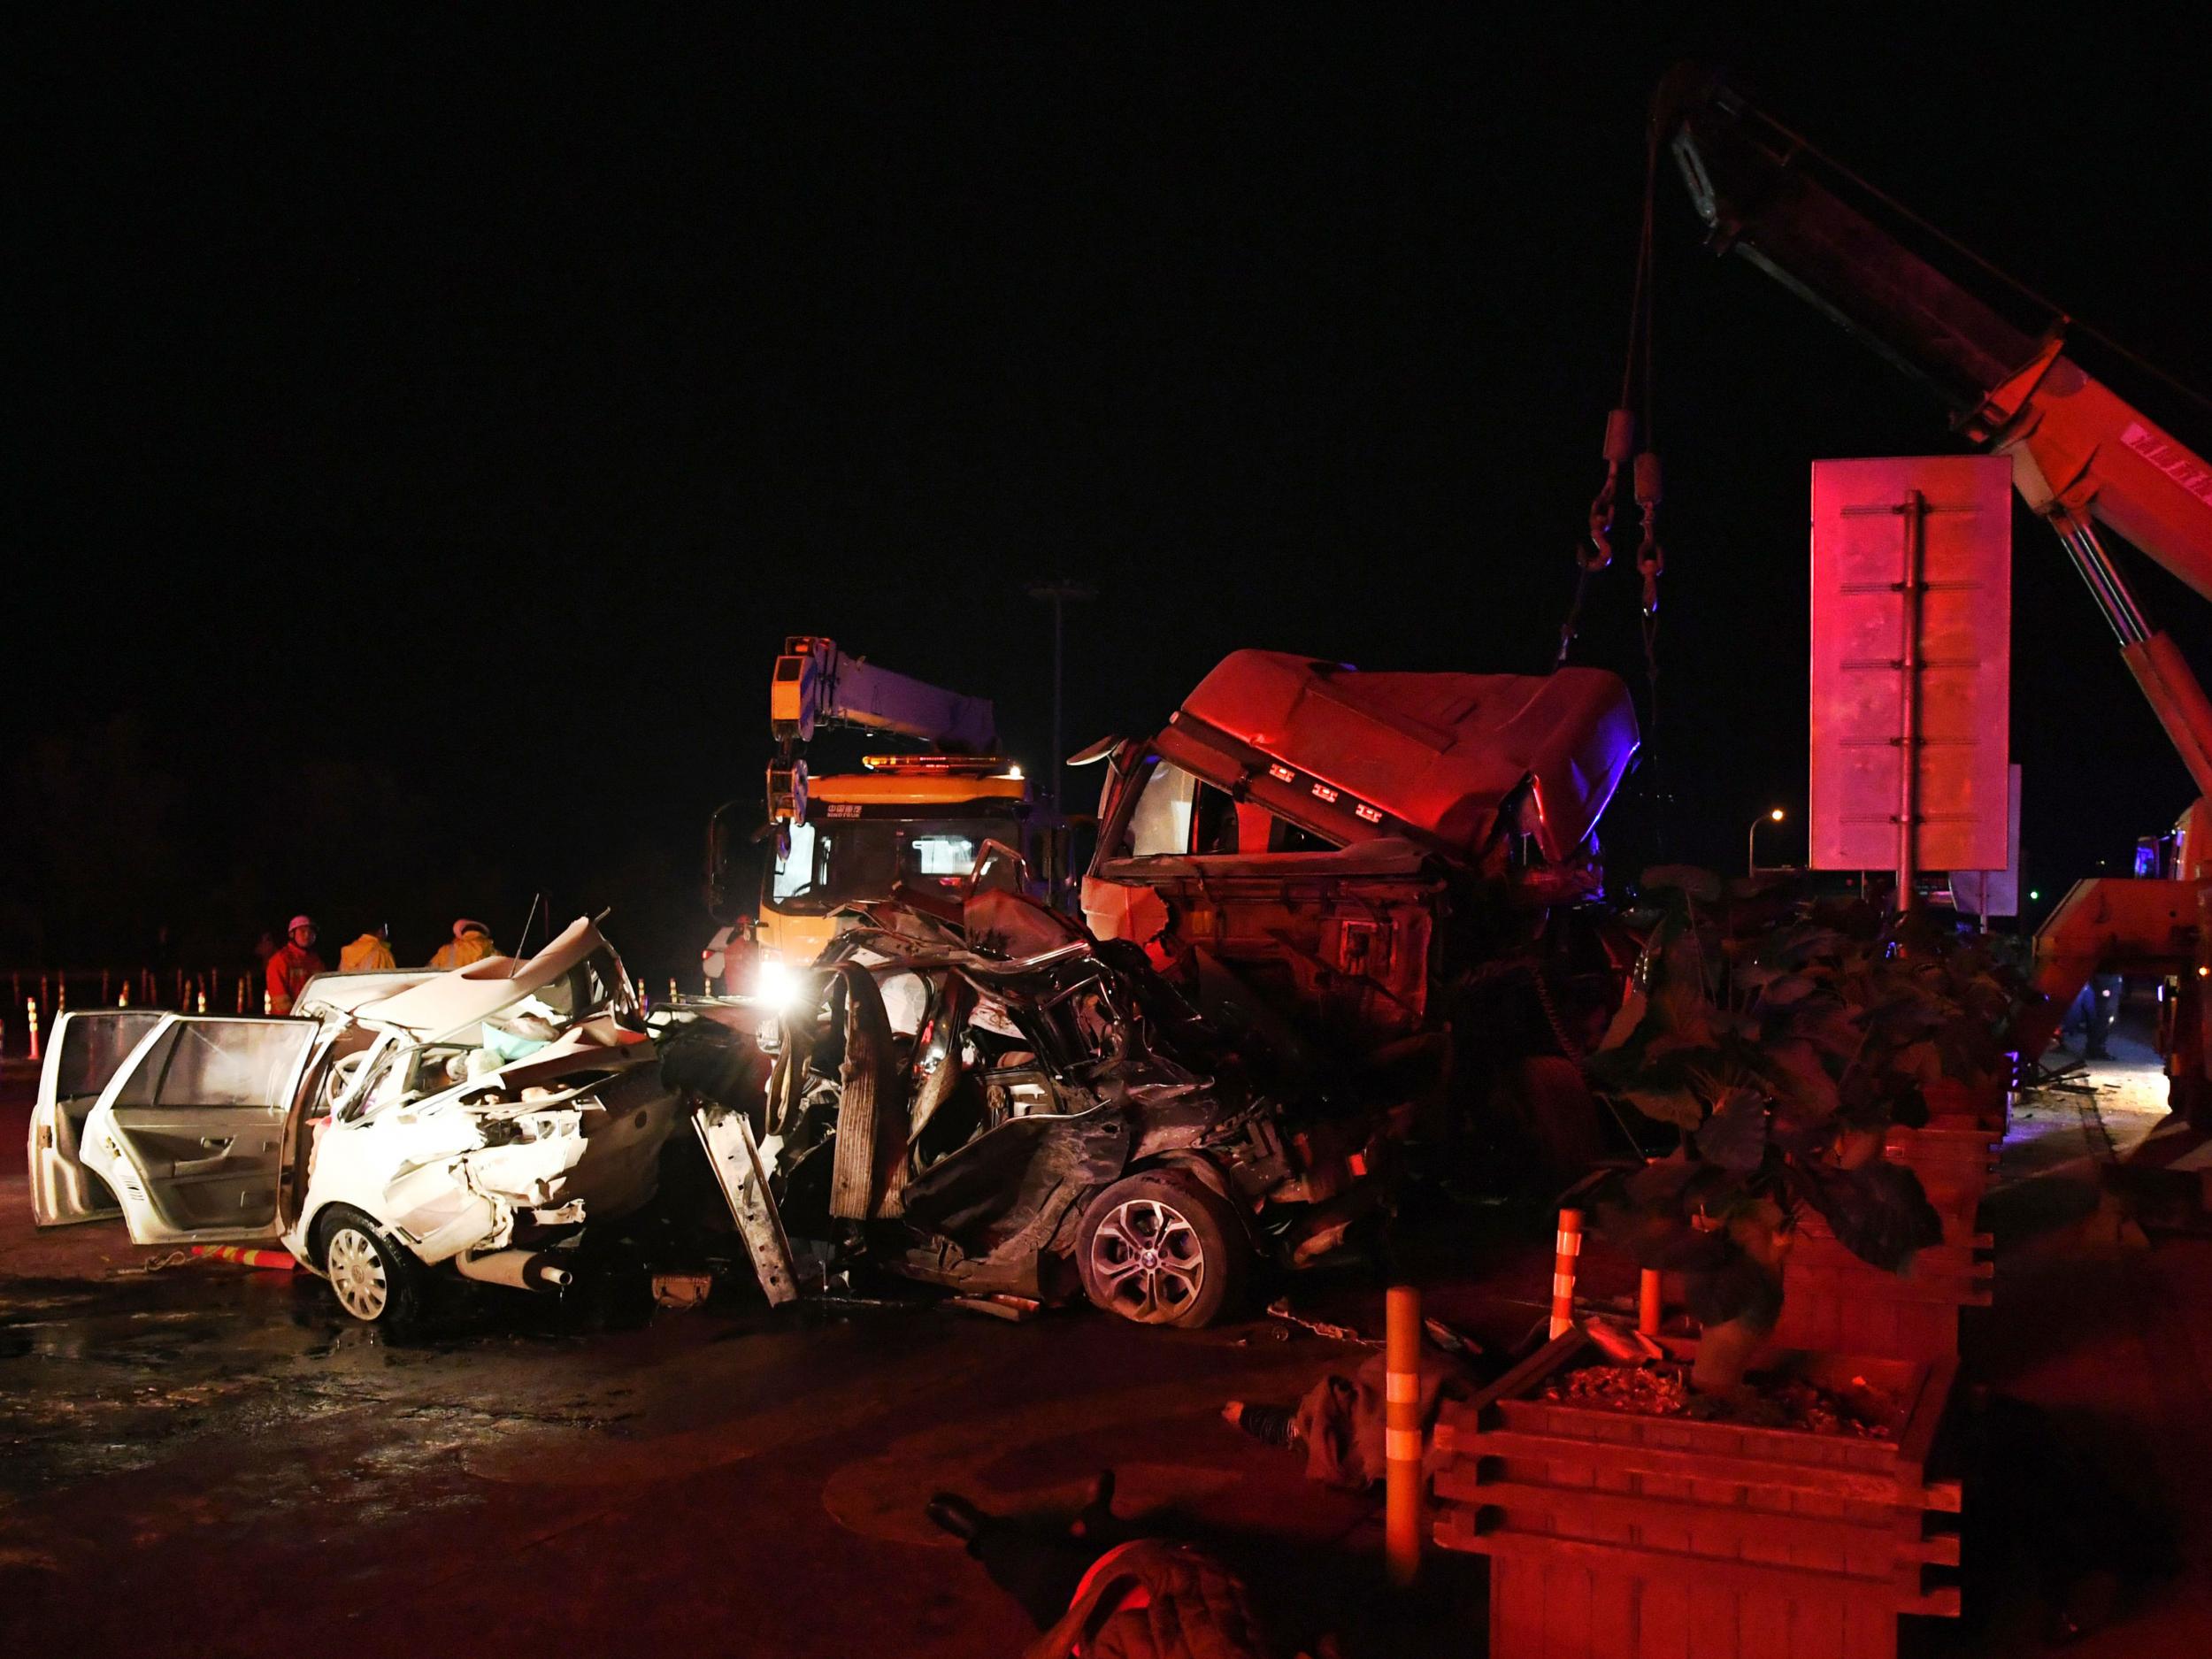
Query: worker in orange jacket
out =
(472, 942)
(293, 966)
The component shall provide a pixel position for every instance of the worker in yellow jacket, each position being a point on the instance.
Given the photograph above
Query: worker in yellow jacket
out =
(472, 942)
(368, 953)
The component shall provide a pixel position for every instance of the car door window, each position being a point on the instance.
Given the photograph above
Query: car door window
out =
(93, 1048)
(229, 1063)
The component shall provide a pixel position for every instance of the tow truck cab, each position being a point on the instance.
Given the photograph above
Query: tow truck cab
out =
(908, 827)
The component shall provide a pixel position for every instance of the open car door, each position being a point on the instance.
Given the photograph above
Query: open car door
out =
(86, 1050)
(190, 1132)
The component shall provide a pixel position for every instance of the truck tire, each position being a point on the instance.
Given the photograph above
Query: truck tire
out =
(376, 1278)
(1162, 1248)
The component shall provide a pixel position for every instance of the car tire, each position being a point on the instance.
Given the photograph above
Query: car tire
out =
(376, 1278)
(1163, 1249)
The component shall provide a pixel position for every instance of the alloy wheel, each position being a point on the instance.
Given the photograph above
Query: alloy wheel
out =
(1148, 1260)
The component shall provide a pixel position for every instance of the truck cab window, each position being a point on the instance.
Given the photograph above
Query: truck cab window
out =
(1160, 826)
(795, 871)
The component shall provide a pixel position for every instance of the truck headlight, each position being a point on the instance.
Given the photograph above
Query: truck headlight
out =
(777, 985)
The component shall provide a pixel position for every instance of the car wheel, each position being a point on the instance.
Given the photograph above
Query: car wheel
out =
(1159, 1248)
(375, 1278)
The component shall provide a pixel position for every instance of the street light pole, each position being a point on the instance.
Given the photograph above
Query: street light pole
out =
(1061, 595)
(1773, 815)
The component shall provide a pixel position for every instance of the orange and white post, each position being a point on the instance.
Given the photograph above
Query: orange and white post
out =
(1567, 1250)
(1649, 1311)
(1402, 1433)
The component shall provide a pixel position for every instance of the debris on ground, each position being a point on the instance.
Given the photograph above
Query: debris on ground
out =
(1621, 1342)
(154, 1265)
(1279, 1308)
(1450, 1338)
(1014, 1310)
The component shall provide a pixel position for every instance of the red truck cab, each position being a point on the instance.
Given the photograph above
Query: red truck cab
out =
(1342, 842)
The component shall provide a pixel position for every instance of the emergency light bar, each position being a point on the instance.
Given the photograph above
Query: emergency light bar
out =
(1328, 795)
(960, 765)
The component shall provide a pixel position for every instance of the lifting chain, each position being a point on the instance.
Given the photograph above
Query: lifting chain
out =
(1568, 1046)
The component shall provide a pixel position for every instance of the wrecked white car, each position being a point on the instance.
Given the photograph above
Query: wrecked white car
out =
(474, 1119)
(1013, 1108)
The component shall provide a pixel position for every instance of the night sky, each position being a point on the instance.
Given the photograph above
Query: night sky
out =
(425, 429)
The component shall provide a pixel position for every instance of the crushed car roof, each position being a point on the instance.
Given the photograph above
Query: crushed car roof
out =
(1441, 752)
(482, 989)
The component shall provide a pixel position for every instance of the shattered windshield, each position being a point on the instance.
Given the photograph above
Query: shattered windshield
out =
(846, 860)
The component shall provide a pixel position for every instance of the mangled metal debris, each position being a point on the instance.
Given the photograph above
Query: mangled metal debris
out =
(1025, 1122)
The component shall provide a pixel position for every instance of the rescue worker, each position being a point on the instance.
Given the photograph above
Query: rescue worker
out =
(472, 942)
(369, 952)
(293, 966)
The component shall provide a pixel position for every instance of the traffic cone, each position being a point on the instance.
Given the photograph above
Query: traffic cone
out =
(31, 1007)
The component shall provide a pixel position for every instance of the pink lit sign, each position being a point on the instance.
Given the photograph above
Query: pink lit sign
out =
(1911, 663)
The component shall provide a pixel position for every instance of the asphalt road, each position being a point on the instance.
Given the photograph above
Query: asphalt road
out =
(216, 1459)
(212, 1459)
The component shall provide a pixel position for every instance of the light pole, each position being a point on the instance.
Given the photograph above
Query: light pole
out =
(1773, 815)
(1060, 595)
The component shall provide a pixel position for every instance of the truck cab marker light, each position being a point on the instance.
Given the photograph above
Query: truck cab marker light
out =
(1321, 792)
(1281, 773)
(1372, 815)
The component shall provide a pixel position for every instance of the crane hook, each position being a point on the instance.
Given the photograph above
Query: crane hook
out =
(1620, 444)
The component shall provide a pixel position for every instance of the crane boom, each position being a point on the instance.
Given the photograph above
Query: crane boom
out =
(2081, 455)
(816, 683)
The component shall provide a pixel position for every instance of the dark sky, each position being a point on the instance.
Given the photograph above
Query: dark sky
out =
(425, 427)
